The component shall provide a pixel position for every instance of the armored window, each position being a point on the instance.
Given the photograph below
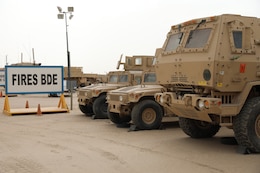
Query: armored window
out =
(123, 78)
(240, 37)
(237, 36)
(138, 61)
(149, 77)
(173, 42)
(113, 78)
(128, 61)
(154, 61)
(198, 38)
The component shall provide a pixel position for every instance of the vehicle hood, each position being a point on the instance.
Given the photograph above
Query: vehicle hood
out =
(138, 89)
(101, 86)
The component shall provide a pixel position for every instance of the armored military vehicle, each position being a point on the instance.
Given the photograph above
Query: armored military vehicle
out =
(92, 98)
(137, 103)
(211, 68)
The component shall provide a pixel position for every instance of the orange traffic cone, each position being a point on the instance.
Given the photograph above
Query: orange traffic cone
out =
(27, 104)
(39, 112)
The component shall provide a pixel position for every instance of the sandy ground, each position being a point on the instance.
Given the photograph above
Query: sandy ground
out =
(72, 142)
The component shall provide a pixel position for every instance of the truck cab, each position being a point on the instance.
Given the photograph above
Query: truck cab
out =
(137, 103)
(92, 98)
(211, 69)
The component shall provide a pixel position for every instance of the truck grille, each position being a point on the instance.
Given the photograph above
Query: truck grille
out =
(228, 98)
(179, 79)
(114, 97)
(81, 93)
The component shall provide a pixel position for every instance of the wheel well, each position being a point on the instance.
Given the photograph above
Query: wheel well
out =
(94, 98)
(150, 98)
(147, 98)
(254, 92)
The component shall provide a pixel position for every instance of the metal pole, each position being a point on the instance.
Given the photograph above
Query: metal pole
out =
(68, 57)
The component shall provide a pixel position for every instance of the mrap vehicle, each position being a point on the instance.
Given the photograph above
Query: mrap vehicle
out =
(92, 98)
(137, 103)
(211, 69)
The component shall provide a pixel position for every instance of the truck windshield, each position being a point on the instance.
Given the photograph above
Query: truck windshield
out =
(150, 77)
(198, 38)
(113, 78)
(123, 78)
(173, 42)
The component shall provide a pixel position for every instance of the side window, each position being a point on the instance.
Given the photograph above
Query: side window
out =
(138, 61)
(237, 36)
(129, 61)
(138, 79)
(240, 38)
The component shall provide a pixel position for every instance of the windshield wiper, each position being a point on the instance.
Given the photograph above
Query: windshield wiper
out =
(192, 31)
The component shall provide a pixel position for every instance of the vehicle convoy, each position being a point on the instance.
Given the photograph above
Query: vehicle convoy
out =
(211, 69)
(92, 98)
(137, 103)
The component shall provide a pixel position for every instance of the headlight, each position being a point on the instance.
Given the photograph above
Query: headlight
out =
(108, 97)
(200, 104)
(96, 92)
(161, 98)
(203, 104)
(120, 98)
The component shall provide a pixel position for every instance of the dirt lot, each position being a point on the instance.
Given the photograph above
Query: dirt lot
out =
(72, 142)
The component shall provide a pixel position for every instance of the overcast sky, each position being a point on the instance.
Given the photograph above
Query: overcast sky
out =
(100, 30)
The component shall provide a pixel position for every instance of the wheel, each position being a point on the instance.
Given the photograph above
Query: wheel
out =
(198, 129)
(87, 110)
(147, 115)
(100, 107)
(117, 119)
(246, 125)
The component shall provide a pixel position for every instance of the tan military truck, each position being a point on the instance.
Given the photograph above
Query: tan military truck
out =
(211, 68)
(92, 98)
(137, 103)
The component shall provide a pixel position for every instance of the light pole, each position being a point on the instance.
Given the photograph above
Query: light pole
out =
(61, 16)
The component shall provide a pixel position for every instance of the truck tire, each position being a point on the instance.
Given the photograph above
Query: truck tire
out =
(117, 119)
(147, 115)
(100, 107)
(246, 125)
(87, 110)
(198, 129)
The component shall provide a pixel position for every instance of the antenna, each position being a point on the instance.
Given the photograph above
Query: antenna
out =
(60, 9)
(33, 56)
(6, 63)
(119, 62)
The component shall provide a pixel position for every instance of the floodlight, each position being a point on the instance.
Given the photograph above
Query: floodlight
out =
(70, 9)
(60, 9)
(60, 16)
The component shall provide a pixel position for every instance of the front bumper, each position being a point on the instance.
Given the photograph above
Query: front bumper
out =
(190, 105)
(84, 97)
(119, 104)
